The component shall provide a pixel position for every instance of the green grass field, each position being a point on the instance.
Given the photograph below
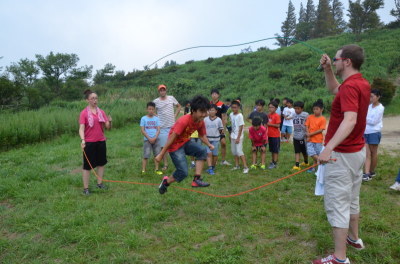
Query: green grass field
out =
(44, 218)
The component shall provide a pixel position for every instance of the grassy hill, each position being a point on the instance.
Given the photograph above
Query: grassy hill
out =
(286, 72)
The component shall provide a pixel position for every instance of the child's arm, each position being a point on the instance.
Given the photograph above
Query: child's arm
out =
(273, 125)
(171, 139)
(204, 139)
(239, 134)
(144, 133)
(316, 132)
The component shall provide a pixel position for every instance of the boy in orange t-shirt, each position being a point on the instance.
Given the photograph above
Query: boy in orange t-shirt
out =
(315, 125)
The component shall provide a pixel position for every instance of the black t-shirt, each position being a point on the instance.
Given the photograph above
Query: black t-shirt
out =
(222, 108)
(263, 116)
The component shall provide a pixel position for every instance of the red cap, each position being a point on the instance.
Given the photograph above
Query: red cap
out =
(161, 86)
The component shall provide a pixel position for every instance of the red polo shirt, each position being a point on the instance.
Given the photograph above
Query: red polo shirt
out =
(353, 96)
(184, 128)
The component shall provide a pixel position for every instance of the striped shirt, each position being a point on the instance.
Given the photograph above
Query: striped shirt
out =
(165, 110)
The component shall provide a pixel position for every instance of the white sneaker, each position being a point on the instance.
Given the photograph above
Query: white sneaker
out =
(236, 168)
(395, 186)
(225, 163)
(246, 170)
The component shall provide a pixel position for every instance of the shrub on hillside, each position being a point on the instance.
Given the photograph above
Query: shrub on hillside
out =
(209, 60)
(275, 74)
(302, 78)
(387, 88)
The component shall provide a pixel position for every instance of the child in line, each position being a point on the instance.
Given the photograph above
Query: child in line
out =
(274, 135)
(299, 135)
(259, 112)
(315, 126)
(287, 127)
(150, 128)
(237, 136)
(179, 145)
(214, 130)
(259, 139)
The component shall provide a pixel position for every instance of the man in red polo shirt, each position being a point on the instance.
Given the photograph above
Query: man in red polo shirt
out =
(344, 142)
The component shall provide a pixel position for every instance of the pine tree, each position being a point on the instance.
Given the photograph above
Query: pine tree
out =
(363, 16)
(324, 23)
(302, 14)
(337, 13)
(288, 28)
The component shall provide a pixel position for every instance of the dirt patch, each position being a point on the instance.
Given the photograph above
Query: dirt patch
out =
(6, 204)
(391, 135)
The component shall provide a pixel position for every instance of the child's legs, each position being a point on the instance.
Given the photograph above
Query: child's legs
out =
(178, 157)
(367, 164)
(144, 164)
(243, 158)
(254, 157)
(274, 147)
(275, 157)
(313, 150)
(236, 161)
(100, 174)
(289, 131)
(214, 152)
(263, 151)
(147, 147)
(239, 152)
(197, 151)
(209, 159)
(223, 147)
(214, 160)
(156, 151)
(297, 157)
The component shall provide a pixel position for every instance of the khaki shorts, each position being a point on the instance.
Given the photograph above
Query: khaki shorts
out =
(342, 185)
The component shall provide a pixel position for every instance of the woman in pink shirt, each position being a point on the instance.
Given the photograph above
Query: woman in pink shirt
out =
(92, 121)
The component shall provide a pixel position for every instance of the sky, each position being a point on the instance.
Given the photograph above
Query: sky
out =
(131, 33)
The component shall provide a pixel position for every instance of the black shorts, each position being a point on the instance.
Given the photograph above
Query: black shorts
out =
(274, 144)
(300, 146)
(96, 153)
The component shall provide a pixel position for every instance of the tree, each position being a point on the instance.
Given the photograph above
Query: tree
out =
(324, 23)
(363, 16)
(57, 67)
(288, 28)
(337, 13)
(396, 11)
(304, 27)
(10, 93)
(24, 72)
(104, 75)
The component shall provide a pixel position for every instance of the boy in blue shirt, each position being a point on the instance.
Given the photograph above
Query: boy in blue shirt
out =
(150, 128)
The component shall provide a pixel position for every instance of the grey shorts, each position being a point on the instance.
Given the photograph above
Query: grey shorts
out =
(148, 148)
(313, 148)
(342, 185)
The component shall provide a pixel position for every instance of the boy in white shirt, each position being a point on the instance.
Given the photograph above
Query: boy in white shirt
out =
(237, 136)
(287, 127)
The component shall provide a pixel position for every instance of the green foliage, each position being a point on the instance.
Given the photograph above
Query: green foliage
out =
(275, 74)
(24, 72)
(10, 93)
(387, 88)
(288, 28)
(363, 16)
(303, 79)
(324, 24)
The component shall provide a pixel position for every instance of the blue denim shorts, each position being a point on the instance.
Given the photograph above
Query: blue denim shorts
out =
(215, 150)
(178, 157)
(314, 148)
(287, 129)
(373, 138)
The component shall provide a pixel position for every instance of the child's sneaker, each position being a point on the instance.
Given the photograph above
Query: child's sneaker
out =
(395, 186)
(366, 177)
(358, 245)
(163, 186)
(311, 170)
(262, 167)
(303, 164)
(296, 168)
(246, 170)
(272, 166)
(253, 166)
(101, 186)
(192, 165)
(331, 259)
(143, 172)
(372, 174)
(236, 168)
(86, 191)
(199, 183)
(158, 172)
(224, 162)
(210, 171)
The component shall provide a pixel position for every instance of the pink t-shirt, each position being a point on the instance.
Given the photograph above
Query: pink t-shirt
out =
(95, 133)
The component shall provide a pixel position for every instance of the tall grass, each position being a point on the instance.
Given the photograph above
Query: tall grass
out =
(60, 118)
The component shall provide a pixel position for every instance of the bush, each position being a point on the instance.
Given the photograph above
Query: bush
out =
(387, 88)
(275, 74)
(302, 78)
(209, 60)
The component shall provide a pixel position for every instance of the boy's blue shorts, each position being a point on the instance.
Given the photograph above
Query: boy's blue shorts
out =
(287, 129)
(373, 138)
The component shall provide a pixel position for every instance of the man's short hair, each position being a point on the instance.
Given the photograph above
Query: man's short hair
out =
(355, 53)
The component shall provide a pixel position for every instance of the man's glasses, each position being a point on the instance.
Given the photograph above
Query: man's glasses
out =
(336, 59)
